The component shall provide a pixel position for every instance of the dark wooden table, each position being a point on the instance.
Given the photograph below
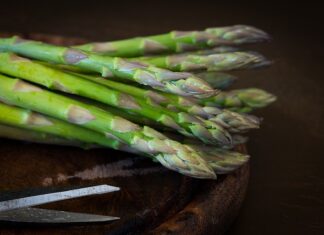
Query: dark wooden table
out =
(285, 195)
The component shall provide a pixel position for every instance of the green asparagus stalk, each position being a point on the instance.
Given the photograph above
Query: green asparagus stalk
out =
(217, 80)
(34, 127)
(169, 153)
(156, 98)
(184, 84)
(220, 160)
(22, 118)
(185, 123)
(243, 100)
(178, 41)
(213, 78)
(15, 133)
(133, 117)
(214, 62)
(152, 97)
(233, 122)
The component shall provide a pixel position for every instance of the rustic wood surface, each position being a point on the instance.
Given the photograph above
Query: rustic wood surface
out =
(152, 199)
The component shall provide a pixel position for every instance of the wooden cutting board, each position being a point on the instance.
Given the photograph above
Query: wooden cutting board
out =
(152, 200)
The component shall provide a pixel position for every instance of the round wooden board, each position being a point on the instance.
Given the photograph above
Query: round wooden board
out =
(152, 200)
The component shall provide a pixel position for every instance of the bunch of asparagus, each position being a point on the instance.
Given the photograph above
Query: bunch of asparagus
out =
(160, 96)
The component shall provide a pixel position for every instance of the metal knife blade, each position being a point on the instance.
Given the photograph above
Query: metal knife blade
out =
(54, 197)
(44, 216)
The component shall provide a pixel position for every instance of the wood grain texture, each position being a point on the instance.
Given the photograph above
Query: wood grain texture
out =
(152, 200)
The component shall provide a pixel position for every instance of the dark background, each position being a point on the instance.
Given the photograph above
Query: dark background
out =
(285, 194)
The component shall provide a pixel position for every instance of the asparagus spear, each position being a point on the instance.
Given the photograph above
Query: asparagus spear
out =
(15, 133)
(35, 127)
(244, 100)
(215, 62)
(169, 153)
(185, 123)
(220, 160)
(184, 84)
(178, 41)
(45, 126)
(233, 122)
(218, 80)
(152, 97)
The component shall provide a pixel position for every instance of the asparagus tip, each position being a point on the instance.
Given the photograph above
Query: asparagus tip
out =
(243, 34)
(256, 98)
